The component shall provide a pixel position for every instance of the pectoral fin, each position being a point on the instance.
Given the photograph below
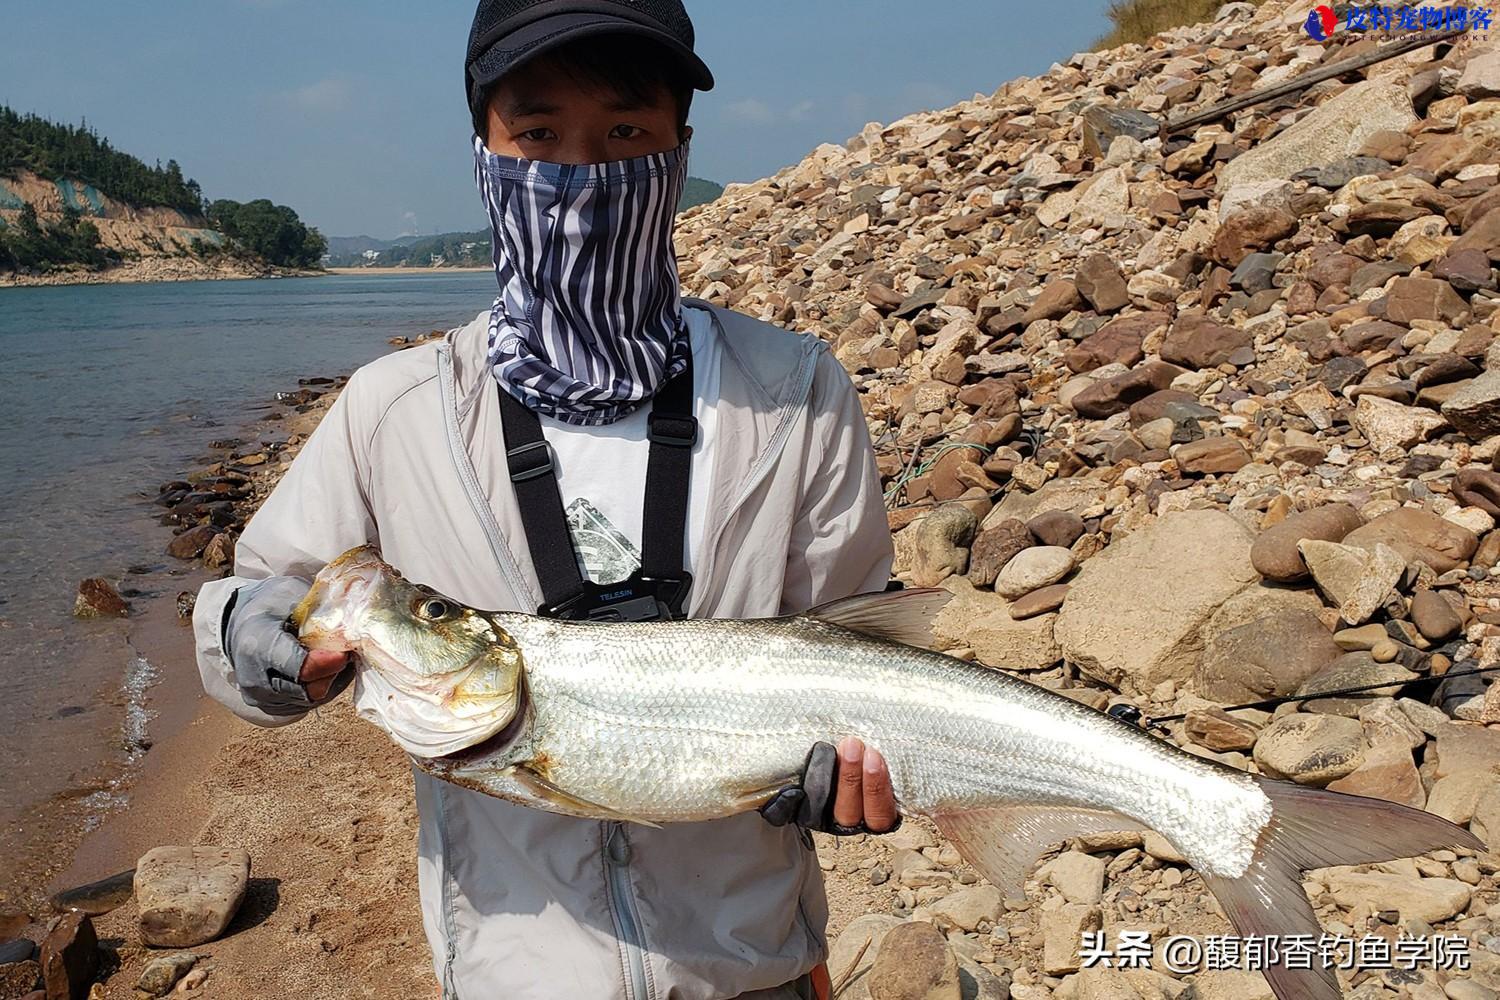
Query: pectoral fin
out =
(557, 800)
(1004, 842)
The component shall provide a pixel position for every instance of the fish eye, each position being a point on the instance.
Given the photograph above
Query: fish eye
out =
(433, 608)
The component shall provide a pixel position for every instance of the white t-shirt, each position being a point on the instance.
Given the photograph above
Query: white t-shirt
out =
(601, 471)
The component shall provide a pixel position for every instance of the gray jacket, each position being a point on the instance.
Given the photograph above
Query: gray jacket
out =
(519, 903)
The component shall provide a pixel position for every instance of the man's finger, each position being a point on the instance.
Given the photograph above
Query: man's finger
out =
(879, 800)
(321, 664)
(849, 800)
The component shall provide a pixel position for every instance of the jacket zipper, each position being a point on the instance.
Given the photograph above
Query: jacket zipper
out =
(622, 907)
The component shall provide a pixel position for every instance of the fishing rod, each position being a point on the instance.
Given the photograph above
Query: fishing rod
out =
(1129, 713)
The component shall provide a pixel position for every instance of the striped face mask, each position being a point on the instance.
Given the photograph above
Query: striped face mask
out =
(588, 324)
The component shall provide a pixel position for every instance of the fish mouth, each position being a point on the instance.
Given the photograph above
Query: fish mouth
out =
(499, 741)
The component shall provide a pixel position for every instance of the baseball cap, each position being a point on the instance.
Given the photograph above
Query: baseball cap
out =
(507, 33)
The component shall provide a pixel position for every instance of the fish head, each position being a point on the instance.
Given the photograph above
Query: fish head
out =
(437, 675)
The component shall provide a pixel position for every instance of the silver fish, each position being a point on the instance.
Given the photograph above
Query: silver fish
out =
(662, 722)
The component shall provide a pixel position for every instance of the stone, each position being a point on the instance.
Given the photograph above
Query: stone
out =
(1058, 298)
(98, 897)
(162, 973)
(1356, 580)
(1419, 536)
(97, 598)
(187, 895)
(1481, 77)
(1387, 425)
(17, 950)
(1389, 773)
(1310, 749)
(941, 544)
(1107, 194)
(854, 952)
(1475, 409)
(1033, 568)
(1256, 273)
(1467, 270)
(1102, 284)
(1117, 342)
(1456, 795)
(1219, 731)
(1250, 230)
(1114, 395)
(1275, 555)
(971, 908)
(1077, 876)
(1056, 527)
(1211, 456)
(1039, 602)
(1337, 128)
(1197, 344)
(1410, 299)
(18, 979)
(1354, 669)
(1434, 617)
(994, 547)
(915, 963)
(1062, 933)
(1103, 123)
(191, 543)
(1426, 899)
(1134, 612)
(1232, 984)
(1385, 722)
(70, 957)
(1268, 656)
(1000, 639)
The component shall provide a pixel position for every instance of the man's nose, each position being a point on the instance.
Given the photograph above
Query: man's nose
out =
(583, 150)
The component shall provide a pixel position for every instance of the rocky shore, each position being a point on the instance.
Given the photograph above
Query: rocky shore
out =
(146, 269)
(1182, 424)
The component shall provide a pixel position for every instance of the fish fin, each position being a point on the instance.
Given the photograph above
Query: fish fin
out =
(566, 802)
(1004, 842)
(903, 616)
(754, 798)
(1314, 828)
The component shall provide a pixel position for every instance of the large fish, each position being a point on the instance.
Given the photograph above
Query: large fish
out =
(661, 722)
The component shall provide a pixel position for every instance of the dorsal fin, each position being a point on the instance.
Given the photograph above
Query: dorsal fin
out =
(903, 616)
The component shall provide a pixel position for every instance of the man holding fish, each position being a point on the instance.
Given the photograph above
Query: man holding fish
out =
(509, 528)
(595, 447)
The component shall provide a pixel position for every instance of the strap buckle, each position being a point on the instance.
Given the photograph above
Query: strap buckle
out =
(672, 430)
(528, 461)
(637, 598)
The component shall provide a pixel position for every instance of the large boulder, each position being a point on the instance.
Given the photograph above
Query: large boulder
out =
(1475, 408)
(1419, 536)
(1135, 612)
(187, 895)
(1336, 129)
(1275, 554)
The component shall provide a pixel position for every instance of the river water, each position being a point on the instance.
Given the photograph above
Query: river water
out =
(106, 391)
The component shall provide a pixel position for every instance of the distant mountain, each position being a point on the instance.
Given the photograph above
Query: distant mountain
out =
(458, 249)
(698, 191)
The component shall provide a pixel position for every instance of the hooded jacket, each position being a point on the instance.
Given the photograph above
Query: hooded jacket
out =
(520, 903)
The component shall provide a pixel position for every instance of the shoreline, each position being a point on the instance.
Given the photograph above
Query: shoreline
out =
(383, 271)
(155, 269)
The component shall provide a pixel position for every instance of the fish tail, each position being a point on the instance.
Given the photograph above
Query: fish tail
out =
(1314, 828)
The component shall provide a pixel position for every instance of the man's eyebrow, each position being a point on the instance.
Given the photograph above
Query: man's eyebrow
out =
(521, 107)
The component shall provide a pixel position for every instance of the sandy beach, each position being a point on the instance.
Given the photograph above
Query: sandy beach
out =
(155, 269)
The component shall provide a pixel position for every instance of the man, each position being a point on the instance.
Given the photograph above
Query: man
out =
(480, 464)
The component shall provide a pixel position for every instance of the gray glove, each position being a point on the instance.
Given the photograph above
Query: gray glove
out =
(263, 648)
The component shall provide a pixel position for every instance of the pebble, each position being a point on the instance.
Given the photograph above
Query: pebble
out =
(1032, 569)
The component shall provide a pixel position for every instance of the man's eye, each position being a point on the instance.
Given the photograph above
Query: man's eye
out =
(537, 135)
(625, 132)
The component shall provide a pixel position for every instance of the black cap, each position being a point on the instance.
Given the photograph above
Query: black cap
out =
(507, 33)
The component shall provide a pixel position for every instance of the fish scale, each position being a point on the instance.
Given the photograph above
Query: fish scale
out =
(663, 722)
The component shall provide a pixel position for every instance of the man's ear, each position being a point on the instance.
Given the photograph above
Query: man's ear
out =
(687, 132)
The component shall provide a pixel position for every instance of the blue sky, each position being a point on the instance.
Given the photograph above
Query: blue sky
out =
(351, 111)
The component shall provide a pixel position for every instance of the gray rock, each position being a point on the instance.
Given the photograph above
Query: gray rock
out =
(1103, 123)
(1357, 580)
(969, 909)
(854, 952)
(1310, 749)
(941, 544)
(188, 895)
(1357, 669)
(1033, 568)
(1475, 408)
(1337, 129)
(1428, 899)
(1134, 612)
(1264, 658)
(161, 974)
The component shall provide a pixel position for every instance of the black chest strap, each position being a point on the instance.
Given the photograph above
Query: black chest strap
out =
(659, 588)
